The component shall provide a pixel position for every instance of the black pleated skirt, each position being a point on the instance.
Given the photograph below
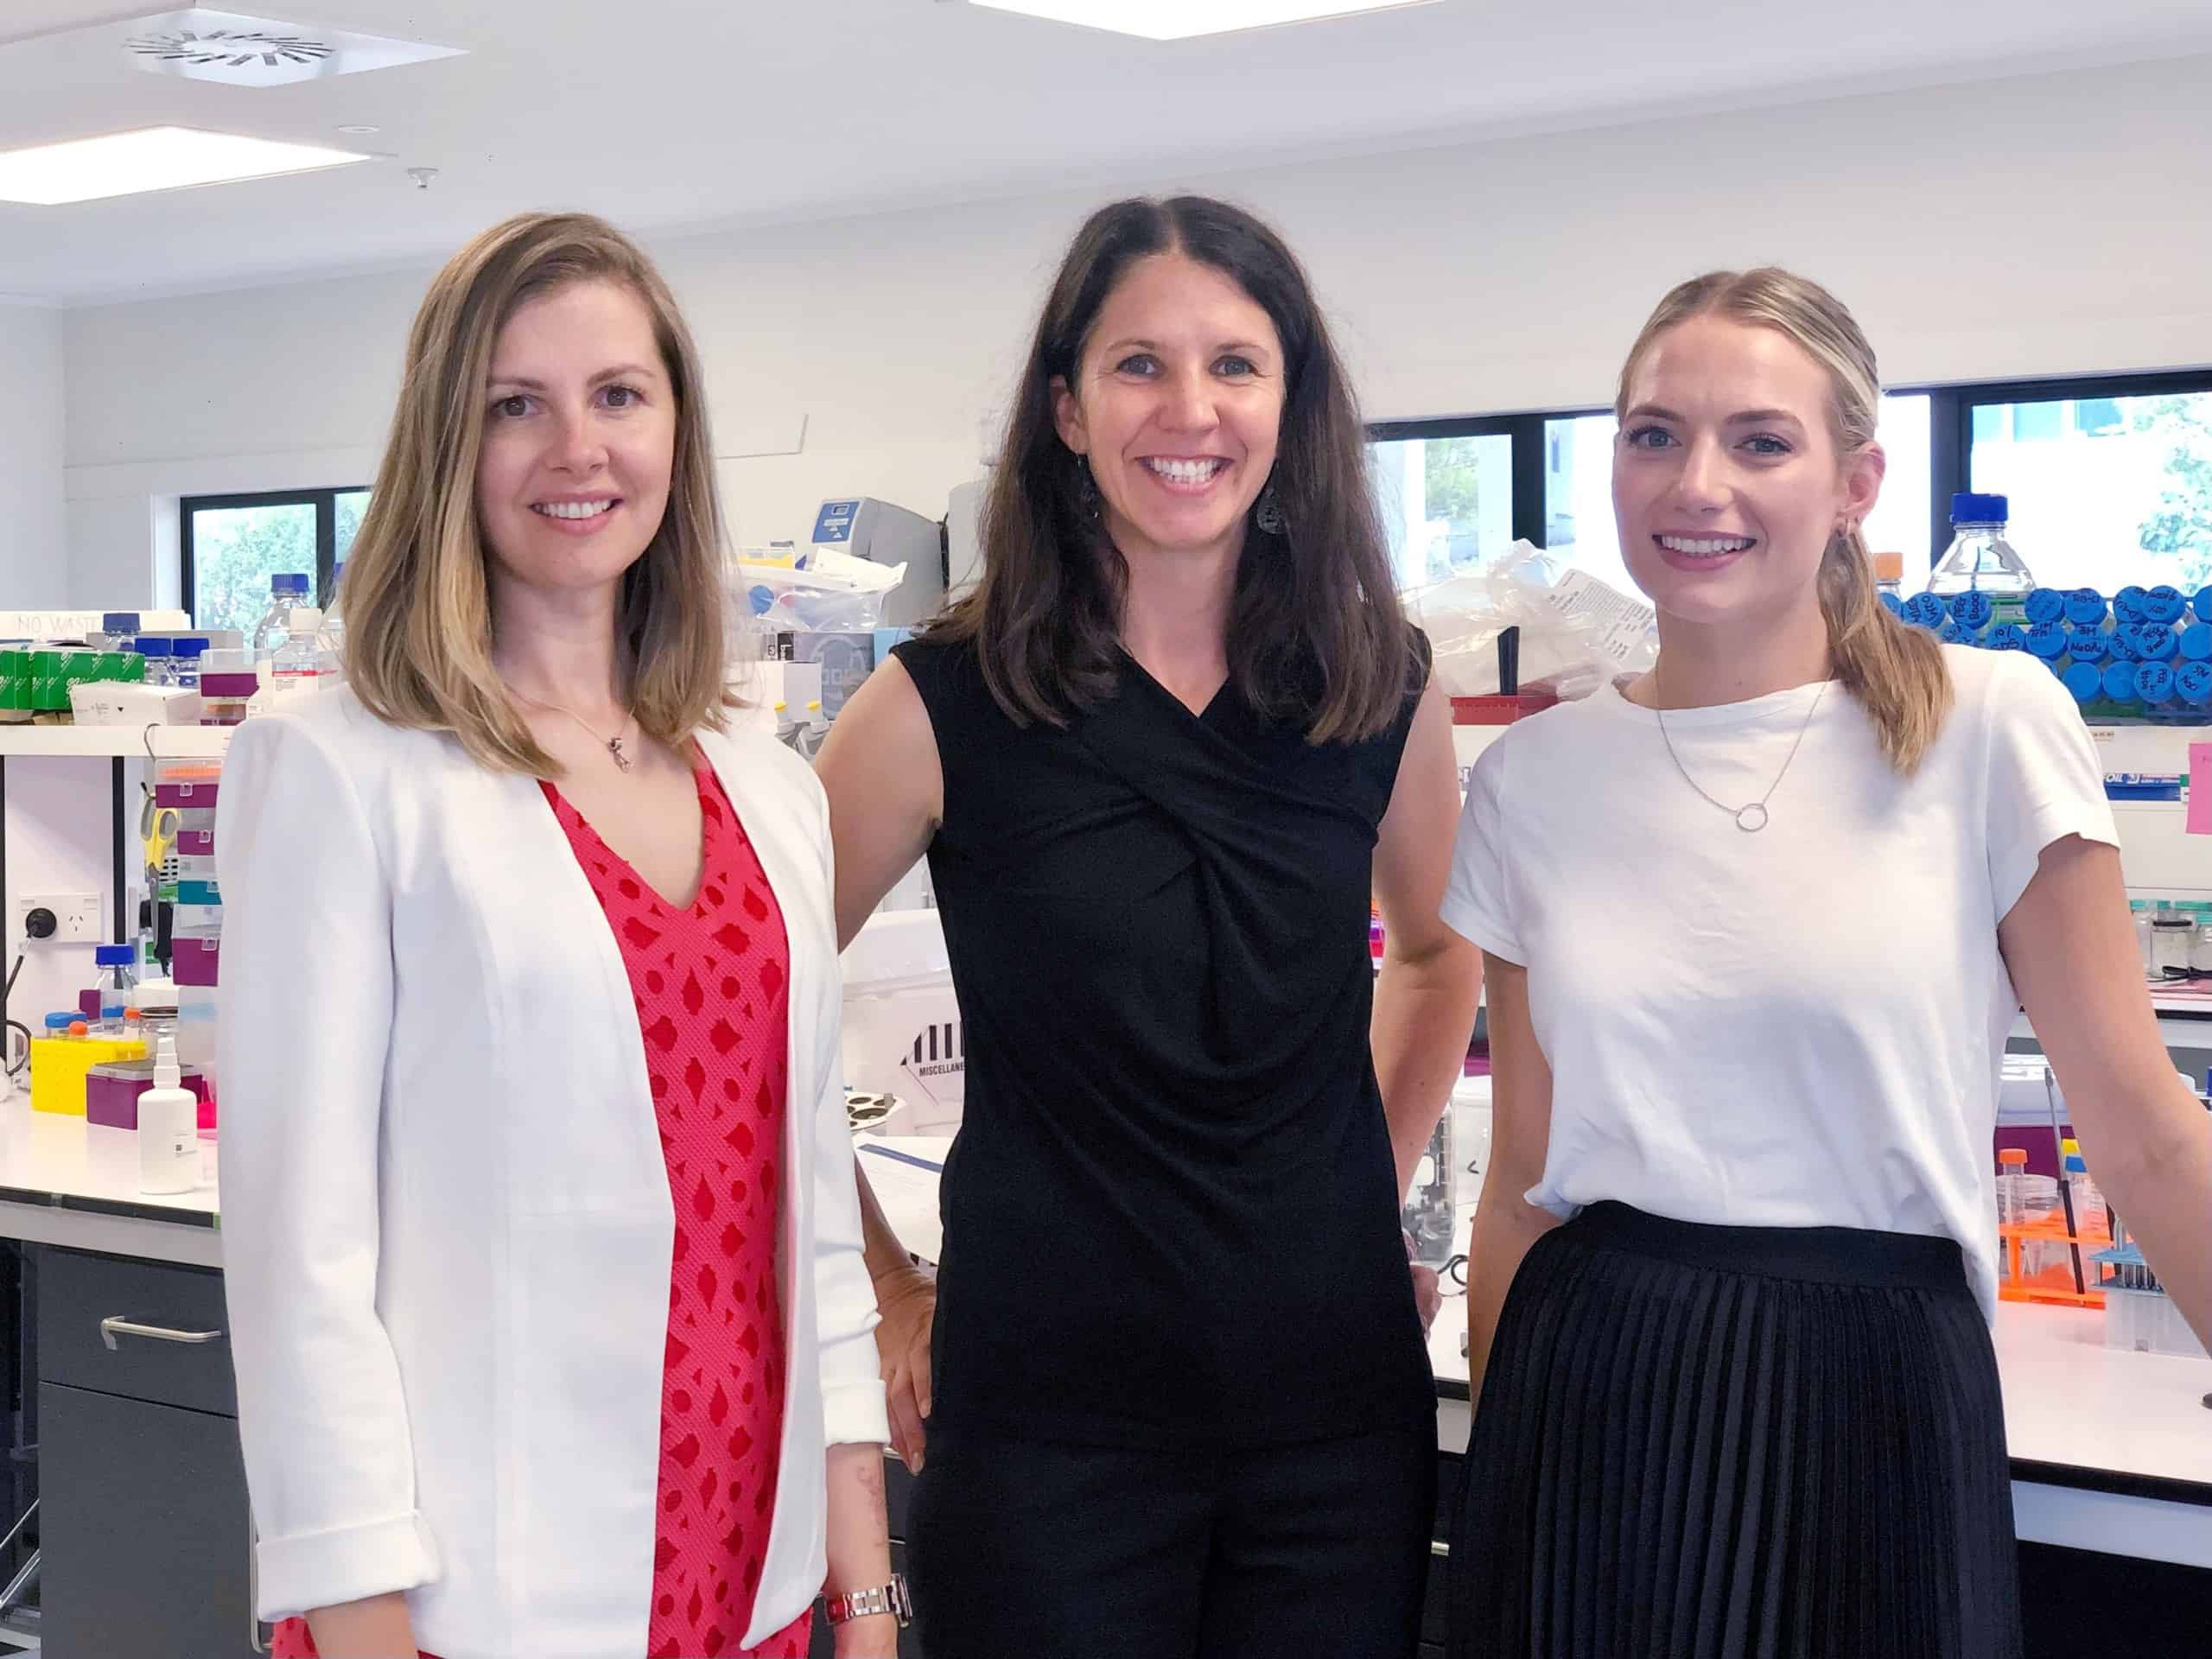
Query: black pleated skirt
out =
(1702, 1442)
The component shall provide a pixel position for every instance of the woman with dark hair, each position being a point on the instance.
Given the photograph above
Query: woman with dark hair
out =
(1159, 761)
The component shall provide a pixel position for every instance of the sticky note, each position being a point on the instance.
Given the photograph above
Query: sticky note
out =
(2200, 789)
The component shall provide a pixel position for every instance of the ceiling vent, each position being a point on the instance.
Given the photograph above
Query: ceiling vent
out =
(237, 50)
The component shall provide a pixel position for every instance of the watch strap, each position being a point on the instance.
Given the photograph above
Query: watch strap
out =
(894, 1598)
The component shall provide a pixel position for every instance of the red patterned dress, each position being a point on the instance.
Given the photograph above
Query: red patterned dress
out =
(711, 984)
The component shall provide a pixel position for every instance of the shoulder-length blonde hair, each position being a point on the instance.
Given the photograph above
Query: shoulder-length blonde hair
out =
(418, 613)
(1895, 671)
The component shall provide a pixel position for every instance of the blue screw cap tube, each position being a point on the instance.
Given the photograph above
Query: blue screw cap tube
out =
(2154, 683)
(2193, 683)
(1925, 611)
(2163, 604)
(2197, 642)
(2045, 605)
(2127, 604)
(1896, 605)
(2090, 645)
(2006, 636)
(2086, 607)
(2201, 605)
(2047, 641)
(1957, 633)
(2120, 682)
(2125, 644)
(1972, 608)
(2085, 681)
(2158, 643)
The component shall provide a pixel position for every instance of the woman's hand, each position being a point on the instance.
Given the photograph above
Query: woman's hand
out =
(869, 1638)
(1428, 1290)
(906, 1297)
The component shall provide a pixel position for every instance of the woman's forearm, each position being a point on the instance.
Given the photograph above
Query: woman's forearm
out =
(1505, 1226)
(860, 1544)
(1424, 1016)
(378, 1628)
(2160, 1183)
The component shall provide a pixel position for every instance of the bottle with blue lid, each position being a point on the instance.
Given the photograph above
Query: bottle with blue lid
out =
(2162, 605)
(2046, 639)
(2127, 604)
(1972, 609)
(156, 650)
(2091, 646)
(2154, 683)
(2201, 606)
(2193, 683)
(1981, 560)
(2119, 681)
(2006, 636)
(2125, 643)
(2086, 607)
(2045, 605)
(2086, 681)
(1957, 633)
(2156, 642)
(2196, 642)
(1926, 611)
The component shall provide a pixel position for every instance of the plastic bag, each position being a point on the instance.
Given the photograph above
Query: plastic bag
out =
(831, 593)
(1576, 632)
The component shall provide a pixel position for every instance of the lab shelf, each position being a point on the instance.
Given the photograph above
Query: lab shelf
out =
(113, 743)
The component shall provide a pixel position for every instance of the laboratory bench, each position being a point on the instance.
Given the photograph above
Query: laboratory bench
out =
(126, 1393)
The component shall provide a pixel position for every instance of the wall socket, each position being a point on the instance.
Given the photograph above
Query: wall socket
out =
(76, 916)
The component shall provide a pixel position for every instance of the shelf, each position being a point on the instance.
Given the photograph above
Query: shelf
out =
(113, 743)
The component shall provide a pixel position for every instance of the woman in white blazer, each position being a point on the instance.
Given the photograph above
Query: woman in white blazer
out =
(552, 1332)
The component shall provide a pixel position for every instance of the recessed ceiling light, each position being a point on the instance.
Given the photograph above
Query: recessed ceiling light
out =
(152, 158)
(1181, 20)
(359, 131)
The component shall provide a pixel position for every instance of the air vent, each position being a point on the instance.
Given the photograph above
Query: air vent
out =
(238, 50)
(233, 49)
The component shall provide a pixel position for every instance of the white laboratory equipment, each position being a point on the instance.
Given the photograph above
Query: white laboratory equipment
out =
(902, 1034)
(864, 528)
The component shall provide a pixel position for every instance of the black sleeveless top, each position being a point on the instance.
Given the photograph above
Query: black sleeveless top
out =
(1171, 1215)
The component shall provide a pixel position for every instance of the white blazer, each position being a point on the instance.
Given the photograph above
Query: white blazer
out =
(446, 1225)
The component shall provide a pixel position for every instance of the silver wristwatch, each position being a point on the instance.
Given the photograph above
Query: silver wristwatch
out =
(892, 1598)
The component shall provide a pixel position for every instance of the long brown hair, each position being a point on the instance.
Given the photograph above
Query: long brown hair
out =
(1315, 631)
(419, 611)
(1895, 671)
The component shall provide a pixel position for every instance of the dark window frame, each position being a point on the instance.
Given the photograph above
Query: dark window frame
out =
(324, 501)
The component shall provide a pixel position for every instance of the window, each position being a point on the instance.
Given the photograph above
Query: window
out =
(1446, 501)
(232, 544)
(2104, 491)
(1579, 489)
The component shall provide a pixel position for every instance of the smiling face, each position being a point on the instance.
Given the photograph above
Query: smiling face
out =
(1727, 482)
(1176, 407)
(572, 480)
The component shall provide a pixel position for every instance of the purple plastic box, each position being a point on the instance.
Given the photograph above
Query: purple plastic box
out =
(193, 961)
(112, 1092)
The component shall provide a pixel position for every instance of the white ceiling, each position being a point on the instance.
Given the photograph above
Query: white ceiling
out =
(673, 113)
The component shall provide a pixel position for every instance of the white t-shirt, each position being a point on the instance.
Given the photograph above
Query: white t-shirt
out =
(1799, 1028)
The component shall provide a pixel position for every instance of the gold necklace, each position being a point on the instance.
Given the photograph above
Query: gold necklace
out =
(612, 745)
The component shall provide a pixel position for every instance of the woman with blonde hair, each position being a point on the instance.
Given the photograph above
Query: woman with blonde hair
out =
(1757, 924)
(551, 1327)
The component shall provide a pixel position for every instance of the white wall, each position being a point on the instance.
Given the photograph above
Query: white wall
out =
(2047, 225)
(33, 563)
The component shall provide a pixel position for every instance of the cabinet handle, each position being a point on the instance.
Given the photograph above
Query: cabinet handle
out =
(1439, 1549)
(115, 1325)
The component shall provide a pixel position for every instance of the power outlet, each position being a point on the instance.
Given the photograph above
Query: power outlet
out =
(76, 918)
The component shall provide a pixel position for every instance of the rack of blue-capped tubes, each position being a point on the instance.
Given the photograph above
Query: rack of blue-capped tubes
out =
(2144, 654)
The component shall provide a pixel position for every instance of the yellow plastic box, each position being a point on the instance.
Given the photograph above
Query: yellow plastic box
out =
(60, 1064)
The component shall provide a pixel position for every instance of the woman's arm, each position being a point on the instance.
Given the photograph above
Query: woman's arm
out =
(1431, 978)
(886, 797)
(2074, 961)
(379, 1628)
(860, 1547)
(1506, 1224)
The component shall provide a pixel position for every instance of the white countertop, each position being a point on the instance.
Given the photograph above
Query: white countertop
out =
(76, 1184)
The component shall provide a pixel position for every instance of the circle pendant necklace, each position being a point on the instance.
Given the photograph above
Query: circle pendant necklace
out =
(1752, 817)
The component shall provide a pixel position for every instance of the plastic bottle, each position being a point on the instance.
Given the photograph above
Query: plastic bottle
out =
(2011, 1166)
(184, 657)
(168, 1127)
(285, 593)
(114, 991)
(157, 653)
(331, 640)
(2089, 1203)
(1980, 559)
(298, 665)
(1889, 581)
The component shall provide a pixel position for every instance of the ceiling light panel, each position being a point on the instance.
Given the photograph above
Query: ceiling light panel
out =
(1181, 20)
(152, 158)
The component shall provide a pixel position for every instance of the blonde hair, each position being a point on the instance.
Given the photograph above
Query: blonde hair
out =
(418, 613)
(1895, 671)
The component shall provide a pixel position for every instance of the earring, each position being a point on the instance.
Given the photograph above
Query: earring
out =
(1266, 516)
(1086, 488)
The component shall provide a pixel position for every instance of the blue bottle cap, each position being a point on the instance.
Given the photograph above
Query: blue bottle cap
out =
(2163, 604)
(153, 647)
(2090, 644)
(2006, 636)
(2154, 682)
(1972, 608)
(2193, 683)
(1896, 605)
(2085, 606)
(2197, 642)
(2075, 1164)
(1969, 508)
(291, 582)
(2201, 605)
(115, 956)
(1925, 611)
(2085, 680)
(2120, 682)
(187, 649)
(2157, 642)
(2128, 603)
(61, 1021)
(119, 622)
(2125, 643)
(2048, 641)
(2046, 605)
(1957, 633)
